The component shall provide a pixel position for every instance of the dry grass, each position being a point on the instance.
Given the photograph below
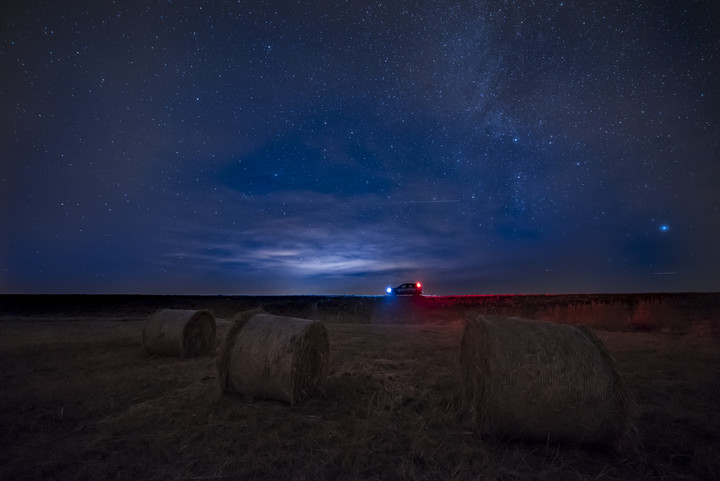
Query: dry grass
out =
(83, 400)
(273, 357)
(527, 379)
(180, 332)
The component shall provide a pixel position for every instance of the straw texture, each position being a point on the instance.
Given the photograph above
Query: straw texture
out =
(274, 357)
(538, 380)
(180, 332)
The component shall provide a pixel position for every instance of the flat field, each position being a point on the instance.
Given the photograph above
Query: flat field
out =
(81, 399)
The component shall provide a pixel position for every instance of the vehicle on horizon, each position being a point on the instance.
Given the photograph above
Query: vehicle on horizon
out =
(407, 289)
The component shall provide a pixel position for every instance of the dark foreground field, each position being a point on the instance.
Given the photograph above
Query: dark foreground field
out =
(82, 400)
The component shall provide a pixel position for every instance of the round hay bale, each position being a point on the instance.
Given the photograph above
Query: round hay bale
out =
(535, 380)
(274, 357)
(180, 332)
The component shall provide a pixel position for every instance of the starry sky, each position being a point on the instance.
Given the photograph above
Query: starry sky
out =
(339, 147)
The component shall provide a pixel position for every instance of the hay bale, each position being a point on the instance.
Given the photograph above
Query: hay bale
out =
(536, 380)
(274, 357)
(180, 332)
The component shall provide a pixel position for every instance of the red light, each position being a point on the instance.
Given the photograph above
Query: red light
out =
(418, 285)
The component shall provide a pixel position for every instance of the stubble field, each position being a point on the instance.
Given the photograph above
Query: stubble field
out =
(81, 400)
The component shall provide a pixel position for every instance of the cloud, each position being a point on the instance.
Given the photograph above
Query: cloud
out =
(302, 238)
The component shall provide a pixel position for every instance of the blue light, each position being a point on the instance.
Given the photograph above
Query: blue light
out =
(664, 228)
(388, 290)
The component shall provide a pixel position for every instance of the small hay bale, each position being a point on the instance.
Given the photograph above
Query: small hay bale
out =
(274, 357)
(180, 332)
(535, 380)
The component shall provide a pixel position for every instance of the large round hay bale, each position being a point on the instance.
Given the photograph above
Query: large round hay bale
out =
(180, 332)
(274, 357)
(536, 380)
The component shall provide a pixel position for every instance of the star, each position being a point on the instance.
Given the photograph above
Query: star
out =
(469, 145)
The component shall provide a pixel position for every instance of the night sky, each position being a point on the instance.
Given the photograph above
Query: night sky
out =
(303, 147)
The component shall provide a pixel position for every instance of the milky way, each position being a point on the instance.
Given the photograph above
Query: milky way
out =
(304, 148)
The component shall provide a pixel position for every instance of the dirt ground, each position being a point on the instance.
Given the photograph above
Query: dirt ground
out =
(81, 399)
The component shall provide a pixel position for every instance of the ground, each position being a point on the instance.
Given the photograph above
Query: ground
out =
(82, 400)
